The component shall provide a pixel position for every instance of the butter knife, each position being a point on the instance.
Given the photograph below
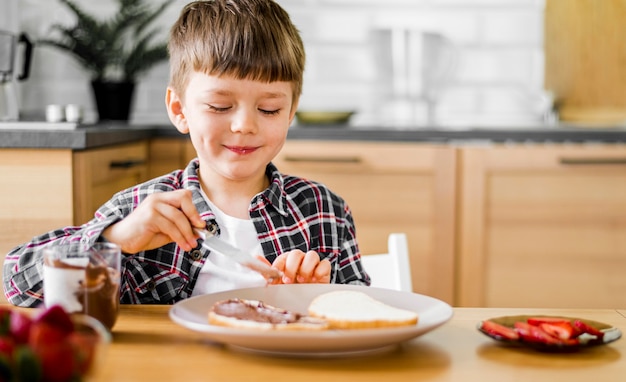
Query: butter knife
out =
(214, 243)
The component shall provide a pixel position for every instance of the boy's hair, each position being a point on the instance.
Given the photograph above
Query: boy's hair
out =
(247, 39)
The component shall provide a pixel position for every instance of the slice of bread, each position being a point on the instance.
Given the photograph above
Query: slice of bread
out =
(346, 309)
(252, 314)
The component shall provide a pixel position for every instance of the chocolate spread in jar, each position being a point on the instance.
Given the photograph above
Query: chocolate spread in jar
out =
(99, 294)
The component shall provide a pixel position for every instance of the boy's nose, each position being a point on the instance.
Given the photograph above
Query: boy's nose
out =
(244, 123)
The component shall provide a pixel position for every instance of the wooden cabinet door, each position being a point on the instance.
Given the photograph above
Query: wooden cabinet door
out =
(100, 173)
(169, 154)
(390, 187)
(542, 226)
(36, 194)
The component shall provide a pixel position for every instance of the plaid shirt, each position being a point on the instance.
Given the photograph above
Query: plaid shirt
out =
(292, 213)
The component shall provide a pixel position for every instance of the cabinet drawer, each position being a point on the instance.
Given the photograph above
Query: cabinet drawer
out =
(100, 173)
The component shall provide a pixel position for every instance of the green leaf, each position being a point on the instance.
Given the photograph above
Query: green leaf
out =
(122, 44)
(27, 365)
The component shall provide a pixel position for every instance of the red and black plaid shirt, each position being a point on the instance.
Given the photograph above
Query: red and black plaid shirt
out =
(292, 213)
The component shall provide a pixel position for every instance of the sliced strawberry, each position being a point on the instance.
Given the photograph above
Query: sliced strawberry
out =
(532, 333)
(499, 330)
(586, 328)
(563, 330)
(536, 321)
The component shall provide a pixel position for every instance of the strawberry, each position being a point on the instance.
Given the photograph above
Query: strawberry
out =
(7, 346)
(532, 333)
(586, 328)
(536, 321)
(57, 361)
(45, 334)
(19, 326)
(499, 330)
(563, 330)
(58, 317)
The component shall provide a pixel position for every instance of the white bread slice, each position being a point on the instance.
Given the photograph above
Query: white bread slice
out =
(346, 309)
(252, 314)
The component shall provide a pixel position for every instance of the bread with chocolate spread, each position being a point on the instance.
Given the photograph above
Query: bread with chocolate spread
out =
(252, 314)
(345, 309)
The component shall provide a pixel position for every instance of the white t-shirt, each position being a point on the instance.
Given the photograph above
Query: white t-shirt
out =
(220, 273)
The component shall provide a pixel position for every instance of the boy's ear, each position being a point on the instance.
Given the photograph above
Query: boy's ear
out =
(174, 107)
(294, 108)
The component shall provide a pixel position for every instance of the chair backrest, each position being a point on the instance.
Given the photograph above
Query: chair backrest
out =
(390, 270)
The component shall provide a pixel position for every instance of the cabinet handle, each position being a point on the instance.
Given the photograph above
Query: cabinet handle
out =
(592, 161)
(354, 159)
(125, 164)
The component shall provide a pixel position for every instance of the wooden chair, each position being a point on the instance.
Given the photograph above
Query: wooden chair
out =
(390, 270)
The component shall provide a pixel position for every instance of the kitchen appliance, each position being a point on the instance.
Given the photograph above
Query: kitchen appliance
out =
(414, 67)
(10, 55)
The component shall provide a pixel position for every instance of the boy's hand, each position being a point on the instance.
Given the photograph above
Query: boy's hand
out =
(302, 268)
(161, 218)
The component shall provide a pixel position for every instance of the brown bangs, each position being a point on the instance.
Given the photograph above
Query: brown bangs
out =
(265, 48)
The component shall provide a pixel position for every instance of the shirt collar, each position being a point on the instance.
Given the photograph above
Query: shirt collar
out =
(274, 195)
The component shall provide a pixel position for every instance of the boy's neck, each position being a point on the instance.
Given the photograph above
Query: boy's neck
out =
(232, 197)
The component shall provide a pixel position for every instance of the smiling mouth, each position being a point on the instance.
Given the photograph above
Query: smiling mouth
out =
(241, 149)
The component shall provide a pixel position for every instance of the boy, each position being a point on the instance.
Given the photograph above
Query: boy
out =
(235, 80)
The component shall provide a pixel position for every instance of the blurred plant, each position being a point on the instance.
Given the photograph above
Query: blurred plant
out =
(120, 48)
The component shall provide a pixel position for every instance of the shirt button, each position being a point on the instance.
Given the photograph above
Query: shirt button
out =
(151, 285)
(196, 255)
(212, 228)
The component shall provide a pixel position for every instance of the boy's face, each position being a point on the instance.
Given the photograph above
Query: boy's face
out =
(236, 126)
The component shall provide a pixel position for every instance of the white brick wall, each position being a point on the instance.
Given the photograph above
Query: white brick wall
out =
(499, 68)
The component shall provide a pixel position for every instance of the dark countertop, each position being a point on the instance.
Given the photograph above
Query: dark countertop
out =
(79, 137)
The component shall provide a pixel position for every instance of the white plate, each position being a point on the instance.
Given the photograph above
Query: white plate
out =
(192, 314)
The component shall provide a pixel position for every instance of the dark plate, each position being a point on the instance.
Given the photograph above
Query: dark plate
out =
(611, 334)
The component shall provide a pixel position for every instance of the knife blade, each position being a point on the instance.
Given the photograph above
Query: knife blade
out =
(214, 243)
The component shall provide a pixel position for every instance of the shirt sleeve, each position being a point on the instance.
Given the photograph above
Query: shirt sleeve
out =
(23, 266)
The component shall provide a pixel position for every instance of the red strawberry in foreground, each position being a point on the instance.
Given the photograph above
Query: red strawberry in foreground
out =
(44, 334)
(19, 326)
(57, 361)
(58, 317)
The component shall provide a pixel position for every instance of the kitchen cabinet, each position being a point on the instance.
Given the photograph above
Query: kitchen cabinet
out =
(100, 173)
(169, 154)
(585, 51)
(46, 189)
(390, 187)
(542, 226)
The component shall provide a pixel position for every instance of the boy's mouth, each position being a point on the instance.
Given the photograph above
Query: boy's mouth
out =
(242, 150)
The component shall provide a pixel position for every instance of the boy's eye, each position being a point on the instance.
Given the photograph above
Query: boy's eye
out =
(218, 109)
(270, 112)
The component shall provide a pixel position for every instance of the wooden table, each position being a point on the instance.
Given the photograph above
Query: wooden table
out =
(148, 346)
